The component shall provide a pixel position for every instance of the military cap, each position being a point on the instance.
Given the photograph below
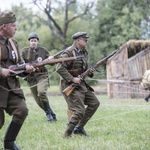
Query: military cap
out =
(7, 17)
(33, 35)
(79, 34)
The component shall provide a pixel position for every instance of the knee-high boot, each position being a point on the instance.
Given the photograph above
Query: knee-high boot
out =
(10, 136)
(49, 113)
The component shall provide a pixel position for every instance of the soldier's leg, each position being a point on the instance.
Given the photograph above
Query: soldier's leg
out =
(34, 92)
(69, 113)
(147, 98)
(18, 110)
(42, 93)
(75, 104)
(69, 130)
(2, 118)
(92, 105)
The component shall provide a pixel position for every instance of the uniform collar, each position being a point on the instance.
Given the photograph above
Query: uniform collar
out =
(80, 51)
(77, 50)
(33, 50)
(3, 40)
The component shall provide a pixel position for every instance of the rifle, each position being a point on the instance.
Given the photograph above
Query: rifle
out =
(54, 56)
(21, 68)
(67, 91)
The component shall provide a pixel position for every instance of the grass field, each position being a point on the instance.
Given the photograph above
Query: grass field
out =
(117, 125)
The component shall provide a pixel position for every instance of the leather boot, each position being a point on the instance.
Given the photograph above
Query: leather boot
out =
(49, 112)
(10, 136)
(53, 114)
(80, 131)
(69, 130)
(79, 128)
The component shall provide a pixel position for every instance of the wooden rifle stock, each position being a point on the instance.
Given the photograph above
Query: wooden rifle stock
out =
(21, 68)
(67, 91)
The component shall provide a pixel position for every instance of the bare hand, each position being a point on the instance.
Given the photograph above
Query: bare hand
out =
(30, 68)
(50, 57)
(76, 80)
(6, 72)
(92, 70)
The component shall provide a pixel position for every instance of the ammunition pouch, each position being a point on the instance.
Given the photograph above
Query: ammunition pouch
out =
(75, 72)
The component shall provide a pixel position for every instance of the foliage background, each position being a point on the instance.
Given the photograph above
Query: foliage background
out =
(109, 23)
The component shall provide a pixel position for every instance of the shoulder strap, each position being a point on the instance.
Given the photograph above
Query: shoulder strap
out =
(74, 55)
(14, 48)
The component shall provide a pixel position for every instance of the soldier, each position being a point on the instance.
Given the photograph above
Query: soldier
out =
(146, 83)
(12, 97)
(83, 94)
(38, 81)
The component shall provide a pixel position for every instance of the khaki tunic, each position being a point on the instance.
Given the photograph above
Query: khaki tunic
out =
(12, 99)
(30, 55)
(38, 80)
(10, 83)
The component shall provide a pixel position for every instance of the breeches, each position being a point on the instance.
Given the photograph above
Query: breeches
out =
(16, 107)
(82, 104)
(39, 91)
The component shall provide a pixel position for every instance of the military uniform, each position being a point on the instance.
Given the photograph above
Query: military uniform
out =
(38, 81)
(12, 97)
(146, 83)
(83, 94)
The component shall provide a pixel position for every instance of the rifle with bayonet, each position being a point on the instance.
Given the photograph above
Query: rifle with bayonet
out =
(67, 91)
(21, 68)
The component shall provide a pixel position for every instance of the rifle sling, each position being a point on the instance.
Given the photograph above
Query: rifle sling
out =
(74, 55)
(14, 48)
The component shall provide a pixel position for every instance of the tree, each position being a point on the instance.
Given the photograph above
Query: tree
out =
(120, 21)
(61, 15)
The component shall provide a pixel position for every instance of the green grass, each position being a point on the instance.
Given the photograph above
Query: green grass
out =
(117, 125)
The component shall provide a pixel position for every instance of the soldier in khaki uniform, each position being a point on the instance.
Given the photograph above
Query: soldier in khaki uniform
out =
(12, 99)
(146, 83)
(38, 81)
(83, 94)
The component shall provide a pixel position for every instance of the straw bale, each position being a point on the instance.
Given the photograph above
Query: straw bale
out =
(137, 45)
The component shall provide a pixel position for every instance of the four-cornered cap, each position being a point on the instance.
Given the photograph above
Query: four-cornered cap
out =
(79, 34)
(7, 17)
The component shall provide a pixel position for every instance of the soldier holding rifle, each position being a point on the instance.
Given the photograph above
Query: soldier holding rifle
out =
(12, 99)
(83, 94)
(38, 80)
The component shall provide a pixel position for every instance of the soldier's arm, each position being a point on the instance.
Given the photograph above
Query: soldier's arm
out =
(62, 70)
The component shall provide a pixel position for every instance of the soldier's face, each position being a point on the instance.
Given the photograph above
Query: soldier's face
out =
(33, 42)
(9, 29)
(82, 42)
